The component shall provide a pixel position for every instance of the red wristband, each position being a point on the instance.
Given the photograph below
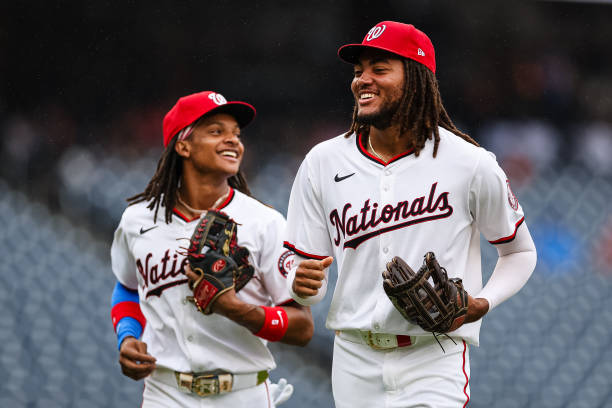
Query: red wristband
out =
(127, 309)
(275, 325)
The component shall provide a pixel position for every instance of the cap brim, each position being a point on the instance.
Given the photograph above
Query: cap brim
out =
(243, 112)
(350, 53)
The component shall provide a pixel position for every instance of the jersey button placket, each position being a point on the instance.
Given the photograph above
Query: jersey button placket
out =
(386, 183)
(386, 195)
(385, 245)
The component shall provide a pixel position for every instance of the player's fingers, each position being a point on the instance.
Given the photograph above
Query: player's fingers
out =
(136, 352)
(327, 261)
(308, 283)
(308, 263)
(303, 291)
(134, 358)
(191, 275)
(140, 361)
(139, 358)
(142, 348)
(190, 272)
(136, 370)
(316, 264)
(312, 274)
(306, 287)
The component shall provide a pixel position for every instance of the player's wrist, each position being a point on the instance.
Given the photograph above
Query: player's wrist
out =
(477, 308)
(228, 304)
(245, 314)
(126, 340)
(276, 324)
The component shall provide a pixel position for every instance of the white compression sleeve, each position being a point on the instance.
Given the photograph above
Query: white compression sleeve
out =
(309, 301)
(516, 262)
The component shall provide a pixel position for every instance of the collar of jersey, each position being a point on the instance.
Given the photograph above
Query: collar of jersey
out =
(362, 149)
(224, 204)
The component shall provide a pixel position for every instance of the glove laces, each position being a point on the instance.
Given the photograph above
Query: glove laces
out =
(440, 344)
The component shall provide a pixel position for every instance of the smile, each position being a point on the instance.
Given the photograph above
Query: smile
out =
(229, 153)
(366, 96)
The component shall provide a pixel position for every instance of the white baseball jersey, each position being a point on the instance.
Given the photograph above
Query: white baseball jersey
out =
(147, 256)
(348, 204)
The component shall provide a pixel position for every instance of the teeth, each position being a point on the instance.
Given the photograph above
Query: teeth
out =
(229, 153)
(366, 96)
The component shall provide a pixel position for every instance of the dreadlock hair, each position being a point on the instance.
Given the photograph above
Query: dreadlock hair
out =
(162, 188)
(420, 110)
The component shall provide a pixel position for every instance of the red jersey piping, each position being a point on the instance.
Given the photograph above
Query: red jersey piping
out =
(370, 156)
(509, 237)
(291, 247)
(224, 204)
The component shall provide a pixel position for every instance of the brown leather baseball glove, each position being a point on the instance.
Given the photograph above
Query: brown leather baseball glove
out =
(439, 308)
(215, 256)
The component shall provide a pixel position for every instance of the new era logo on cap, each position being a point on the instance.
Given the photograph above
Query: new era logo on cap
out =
(401, 39)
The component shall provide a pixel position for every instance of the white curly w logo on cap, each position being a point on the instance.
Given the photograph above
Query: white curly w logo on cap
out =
(375, 32)
(217, 98)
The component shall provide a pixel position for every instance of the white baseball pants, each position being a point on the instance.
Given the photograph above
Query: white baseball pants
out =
(420, 375)
(160, 395)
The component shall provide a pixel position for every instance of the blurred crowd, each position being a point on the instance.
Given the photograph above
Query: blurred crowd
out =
(527, 80)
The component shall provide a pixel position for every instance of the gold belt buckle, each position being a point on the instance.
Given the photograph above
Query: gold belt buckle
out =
(374, 339)
(205, 385)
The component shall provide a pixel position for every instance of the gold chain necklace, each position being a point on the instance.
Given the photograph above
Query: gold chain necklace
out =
(374, 151)
(200, 212)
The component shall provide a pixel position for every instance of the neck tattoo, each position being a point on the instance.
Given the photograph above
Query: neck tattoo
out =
(372, 149)
(200, 212)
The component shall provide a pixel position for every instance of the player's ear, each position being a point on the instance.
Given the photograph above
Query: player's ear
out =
(182, 148)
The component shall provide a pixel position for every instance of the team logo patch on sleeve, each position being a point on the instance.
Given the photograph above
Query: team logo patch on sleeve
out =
(285, 262)
(512, 200)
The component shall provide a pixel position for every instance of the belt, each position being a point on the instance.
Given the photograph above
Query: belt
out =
(211, 383)
(378, 341)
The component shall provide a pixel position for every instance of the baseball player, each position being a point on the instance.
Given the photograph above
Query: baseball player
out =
(401, 182)
(187, 358)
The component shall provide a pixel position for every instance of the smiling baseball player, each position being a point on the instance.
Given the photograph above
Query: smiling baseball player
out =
(184, 355)
(403, 182)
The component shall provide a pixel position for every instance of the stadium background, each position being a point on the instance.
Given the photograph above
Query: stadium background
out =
(83, 89)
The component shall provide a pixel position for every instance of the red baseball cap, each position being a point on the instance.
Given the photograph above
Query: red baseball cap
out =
(192, 107)
(402, 39)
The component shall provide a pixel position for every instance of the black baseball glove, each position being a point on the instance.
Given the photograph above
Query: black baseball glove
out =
(215, 256)
(439, 308)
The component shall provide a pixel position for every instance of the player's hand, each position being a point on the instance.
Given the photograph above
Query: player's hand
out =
(309, 276)
(191, 275)
(224, 304)
(134, 360)
(477, 308)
